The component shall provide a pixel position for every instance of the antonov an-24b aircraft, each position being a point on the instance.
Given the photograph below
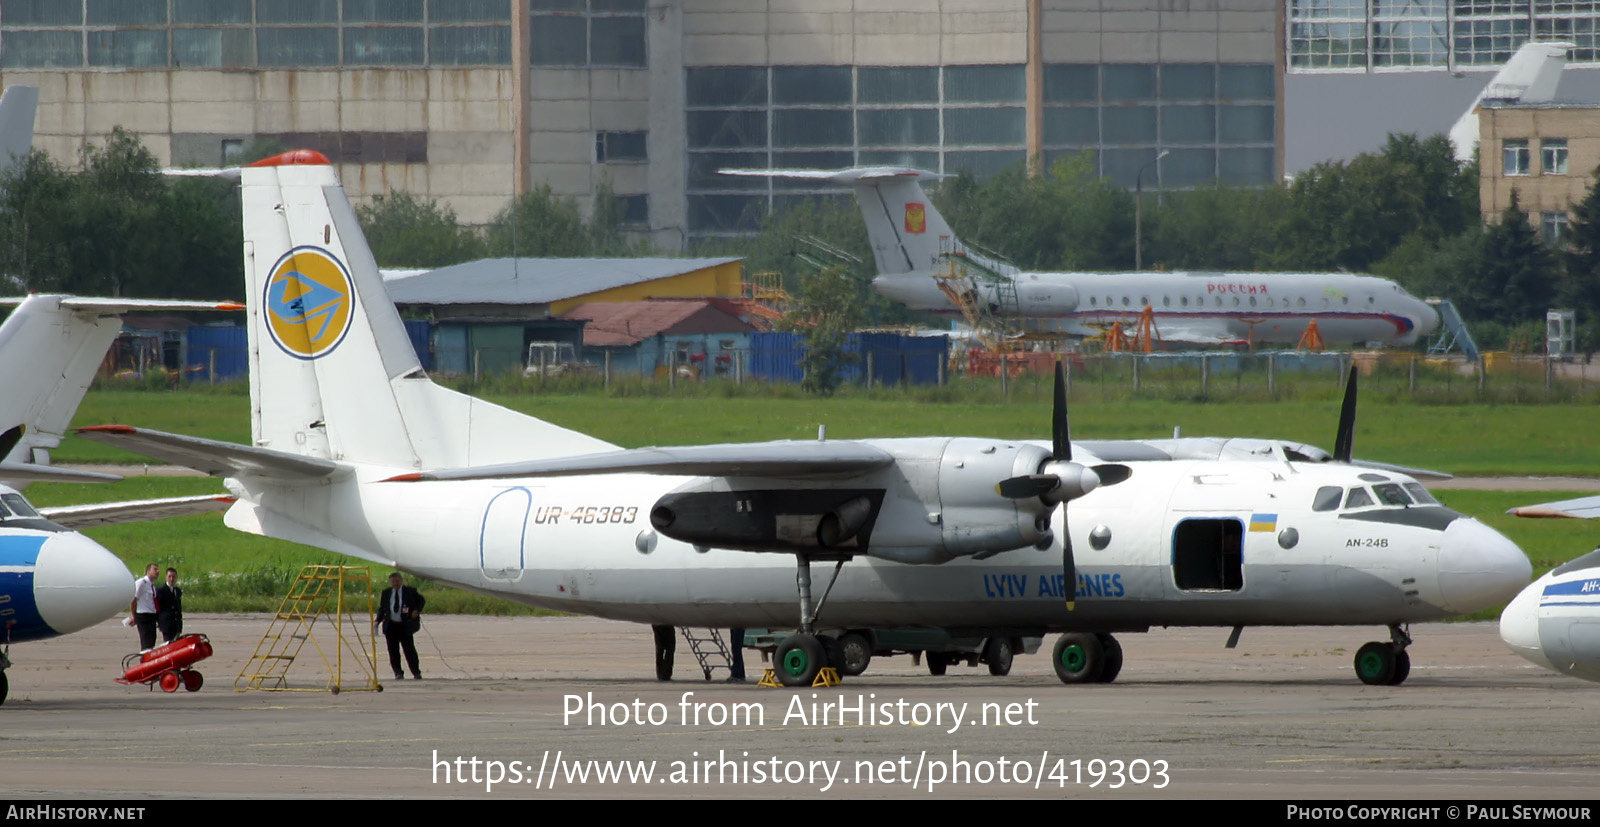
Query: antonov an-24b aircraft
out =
(1555, 621)
(53, 580)
(912, 244)
(358, 452)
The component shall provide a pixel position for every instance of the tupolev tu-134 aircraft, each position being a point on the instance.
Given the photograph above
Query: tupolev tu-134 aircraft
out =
(919, 260)
(357, 451)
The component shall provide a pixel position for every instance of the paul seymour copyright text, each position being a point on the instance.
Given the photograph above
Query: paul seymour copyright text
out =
(923, 769)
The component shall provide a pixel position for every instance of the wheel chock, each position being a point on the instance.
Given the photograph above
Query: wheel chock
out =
(769, 678)
(829, 676)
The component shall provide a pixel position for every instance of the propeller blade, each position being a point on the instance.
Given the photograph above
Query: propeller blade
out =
(9, 440)
(1060, 440)
(1344, 442)
(1024, 488)
(1112, 473)
(1069, 568)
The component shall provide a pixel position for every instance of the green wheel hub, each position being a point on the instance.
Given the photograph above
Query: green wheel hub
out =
(1074, 658)
(795, 662)
(1371, 665)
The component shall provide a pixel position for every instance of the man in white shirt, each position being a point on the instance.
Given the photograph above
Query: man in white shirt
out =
(143, 607)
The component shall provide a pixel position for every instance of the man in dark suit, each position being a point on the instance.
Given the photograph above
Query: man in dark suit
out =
(400, 611)
(169, 607)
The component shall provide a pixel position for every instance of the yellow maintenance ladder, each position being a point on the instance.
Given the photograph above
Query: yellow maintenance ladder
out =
(341, 598)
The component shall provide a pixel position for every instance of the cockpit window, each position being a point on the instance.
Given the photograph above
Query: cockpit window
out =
(1420, 494)
(17, 506)
(1359, 498)
(1328, 497)
(1391, 494)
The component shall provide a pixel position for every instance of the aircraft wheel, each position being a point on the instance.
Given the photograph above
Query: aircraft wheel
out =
(170, 681)
(1079, 658)
(998, 653)
(192, 681)
(799, 658)
(937, 663)
(1375, 663)
(1113, 647)
(5, 687)
(855, 653)
(1402, 668)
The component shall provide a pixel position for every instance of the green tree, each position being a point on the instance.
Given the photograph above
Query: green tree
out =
(1515, 277)
(34, 199)
(1580, 288)
(539, 223)
(406, 231)
(827, 310)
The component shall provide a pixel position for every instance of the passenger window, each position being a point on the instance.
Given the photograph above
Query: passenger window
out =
(1420, 494)
(1391, 494)
(1359, 498)
(1328, 497)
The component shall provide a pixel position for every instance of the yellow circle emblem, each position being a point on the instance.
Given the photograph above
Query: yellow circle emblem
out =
(308, 302)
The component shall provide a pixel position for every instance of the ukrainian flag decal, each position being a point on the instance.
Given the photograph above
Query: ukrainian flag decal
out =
(1263, 522)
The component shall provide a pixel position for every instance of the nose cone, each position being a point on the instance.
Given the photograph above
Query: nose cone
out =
(1426, 318)
(1479, 567)
(1519, 624)
(78, 583)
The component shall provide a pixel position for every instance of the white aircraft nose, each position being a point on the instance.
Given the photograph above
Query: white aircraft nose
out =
(1479, 567)
(1427, 319)
(78, 583)
(1519, 624)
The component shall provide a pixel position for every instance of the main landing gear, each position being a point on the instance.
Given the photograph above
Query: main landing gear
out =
(802, 656)
(1083, 657)
(1385, 664)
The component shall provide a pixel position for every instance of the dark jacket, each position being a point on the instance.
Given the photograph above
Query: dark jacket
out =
(411, 601)
(169, 602)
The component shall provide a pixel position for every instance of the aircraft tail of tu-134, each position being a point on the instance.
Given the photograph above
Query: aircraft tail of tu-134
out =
(357, 451)
(914, 249)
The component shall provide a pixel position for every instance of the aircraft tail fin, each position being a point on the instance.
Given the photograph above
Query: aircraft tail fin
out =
(1530, 76)
(333, 374)
(18, 106)
(55, 345)
(907, 233)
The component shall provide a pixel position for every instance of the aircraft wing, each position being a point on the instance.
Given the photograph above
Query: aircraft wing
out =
(1581, 508)
(12, 473)
(134, 511)
(219, 459)
(759, 459)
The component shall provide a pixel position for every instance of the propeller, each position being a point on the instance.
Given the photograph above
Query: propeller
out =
(1344, 442)
(9, 440)
(1059, 479)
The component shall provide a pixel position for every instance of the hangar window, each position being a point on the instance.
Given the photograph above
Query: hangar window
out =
(1327, 499)
(1208, 555)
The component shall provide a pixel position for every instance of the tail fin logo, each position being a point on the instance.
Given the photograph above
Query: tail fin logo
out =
(308, 304)
(916, 218)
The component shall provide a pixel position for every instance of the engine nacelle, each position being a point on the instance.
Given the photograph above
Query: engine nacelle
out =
(936, 503)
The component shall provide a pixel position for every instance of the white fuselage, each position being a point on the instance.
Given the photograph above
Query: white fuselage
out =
(53, 581)
(1200, 307)
(585, 544)
(1555, 621)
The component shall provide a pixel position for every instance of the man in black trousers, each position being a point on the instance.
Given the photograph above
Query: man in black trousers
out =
(400, 611)
(169, 607)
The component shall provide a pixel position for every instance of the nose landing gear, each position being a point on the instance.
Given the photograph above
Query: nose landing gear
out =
(1385, 664)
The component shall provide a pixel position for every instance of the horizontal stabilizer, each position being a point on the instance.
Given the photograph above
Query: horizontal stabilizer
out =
(1583, 508)
(134, 511)
(757, 459)
(219, 459)
(124, 305)
(12, 473)
(839, 176)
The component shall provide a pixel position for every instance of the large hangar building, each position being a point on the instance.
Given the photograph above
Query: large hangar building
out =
(472, 100)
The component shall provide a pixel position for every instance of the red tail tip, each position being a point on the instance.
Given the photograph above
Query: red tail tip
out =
(295, 158)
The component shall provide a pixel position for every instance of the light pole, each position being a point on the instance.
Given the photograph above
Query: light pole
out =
(1138, 210)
